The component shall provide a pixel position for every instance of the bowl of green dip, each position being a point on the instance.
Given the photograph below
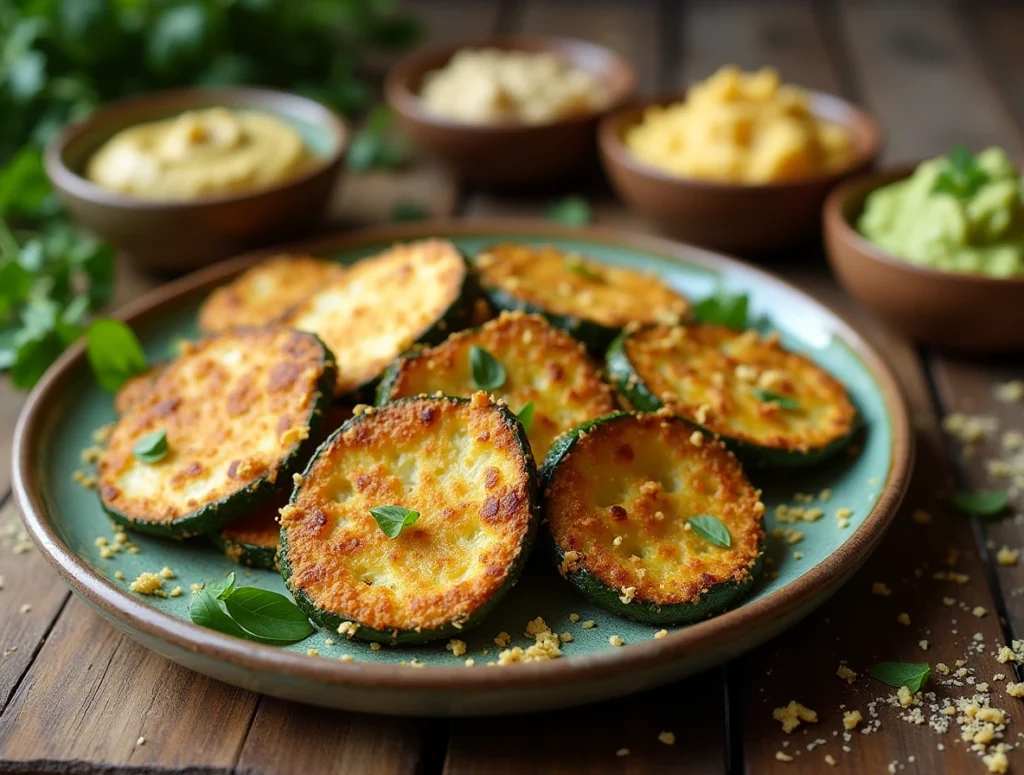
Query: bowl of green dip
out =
(936, 248)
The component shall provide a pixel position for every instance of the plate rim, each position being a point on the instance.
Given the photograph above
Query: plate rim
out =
(120, 606)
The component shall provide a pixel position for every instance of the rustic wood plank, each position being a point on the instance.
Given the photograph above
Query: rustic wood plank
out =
(453, 21)
(287, 737)
(588, 739)
(917, 71)
(93, 693)
(784, 34)
(10, 405)
(996, 30)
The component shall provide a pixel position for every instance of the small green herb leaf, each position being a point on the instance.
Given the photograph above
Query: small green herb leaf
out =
(487, 373)
(981, 504)
(268, 615)
(221, 589)
(770, 397)
(409, 211)
(961, 177)
(572, 211)
(910, 674)
(114, 353)
(206, 611)
(724, 309)
(393, 519)
(152, 448)
(526, 416)
(585, 271)
(711, 529)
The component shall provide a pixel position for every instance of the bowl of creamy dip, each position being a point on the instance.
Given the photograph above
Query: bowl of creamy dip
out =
(509, 110)
(183, 178)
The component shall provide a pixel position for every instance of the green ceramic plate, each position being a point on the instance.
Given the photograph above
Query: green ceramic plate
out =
(65, 519)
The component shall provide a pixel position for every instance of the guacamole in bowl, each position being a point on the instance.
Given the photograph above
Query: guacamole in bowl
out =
(956, 213)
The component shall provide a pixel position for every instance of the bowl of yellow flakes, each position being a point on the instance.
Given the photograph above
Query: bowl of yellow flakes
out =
(741, 162)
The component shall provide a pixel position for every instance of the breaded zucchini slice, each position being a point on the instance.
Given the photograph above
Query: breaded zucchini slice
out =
(253, 539)
(241, 413)
(543, 366)
(264, 293)
(773, 407)
(591, 301)
(465, 466)
(136, 388)
(620, 492)
(414, 292)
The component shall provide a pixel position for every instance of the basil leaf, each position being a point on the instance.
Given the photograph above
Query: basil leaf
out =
(487, 373)
(525, 416)
(910, 674)
(152, 448)
(771, 397)
(711, 529)
(393, 519)
(723, 309)
(981, 504)
(205, 610)
(268, 615)
(585, 271)
(114, 353)
(409, 211)
(223, 588)
(961, 177)
(33, 357)
(571, 211)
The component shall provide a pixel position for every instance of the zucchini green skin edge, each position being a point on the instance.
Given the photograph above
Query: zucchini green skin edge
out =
(213, 516)
(331, 621)
(594, 336)
(629, 384)
(714, 601)
(251, 555)
(455, 318)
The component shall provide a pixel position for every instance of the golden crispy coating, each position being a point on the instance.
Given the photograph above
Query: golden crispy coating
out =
(264, 293)
(542, 365)
(567, 284)
(460, 465)
(621, 500)
(233, 407)
(136, 389)
(718, 378)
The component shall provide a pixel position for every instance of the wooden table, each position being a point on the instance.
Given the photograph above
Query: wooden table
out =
(77, 696)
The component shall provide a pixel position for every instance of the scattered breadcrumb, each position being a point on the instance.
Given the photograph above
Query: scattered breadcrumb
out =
(589, 624)
(176, 592)
(1007, 556)
(846, 674)
(792, 714)
(668, 738)
(574, 617)
(615, 640)
(348, 629)
(147, 584)
(783, 757)
(661, 634)
(979, 611)
(167, 573)
(140, 741)
(119, 575)
(881, 589)
(457, 647)
(851, 719)
(313, 652)
(25, 608)
(904, 619)
(622, 752)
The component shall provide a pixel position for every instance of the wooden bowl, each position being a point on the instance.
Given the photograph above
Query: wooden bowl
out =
(732, 216)
(508, 153)
(961, 311)
(175, 236)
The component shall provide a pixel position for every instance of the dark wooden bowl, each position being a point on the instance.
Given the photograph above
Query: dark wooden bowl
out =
(732, 216)
(176, 236)
(961, 311)
(508, 153)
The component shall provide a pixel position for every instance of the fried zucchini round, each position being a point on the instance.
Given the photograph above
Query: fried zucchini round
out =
(264, 293)
(136, 388)
(252, 540)
(775, 408)
(543, 366)
(415, 292)
(241, 413)
(465, 467)
(620, 492)
(591, 301)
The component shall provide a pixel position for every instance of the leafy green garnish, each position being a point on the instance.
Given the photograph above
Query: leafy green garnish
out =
(378, 143)
(151, 448)
(525, 416)
(711, 529)
(487, 373)
(393, 519)
(771, 397)
(114, 353)
(962, 176)
(724, 309)
(571, 211)
(585, 271)
(249, 612)
(981, 504)
(913, 675)
(268, 615)
(409, 211)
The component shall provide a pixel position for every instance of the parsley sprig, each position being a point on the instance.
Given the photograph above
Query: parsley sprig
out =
(961, 177)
